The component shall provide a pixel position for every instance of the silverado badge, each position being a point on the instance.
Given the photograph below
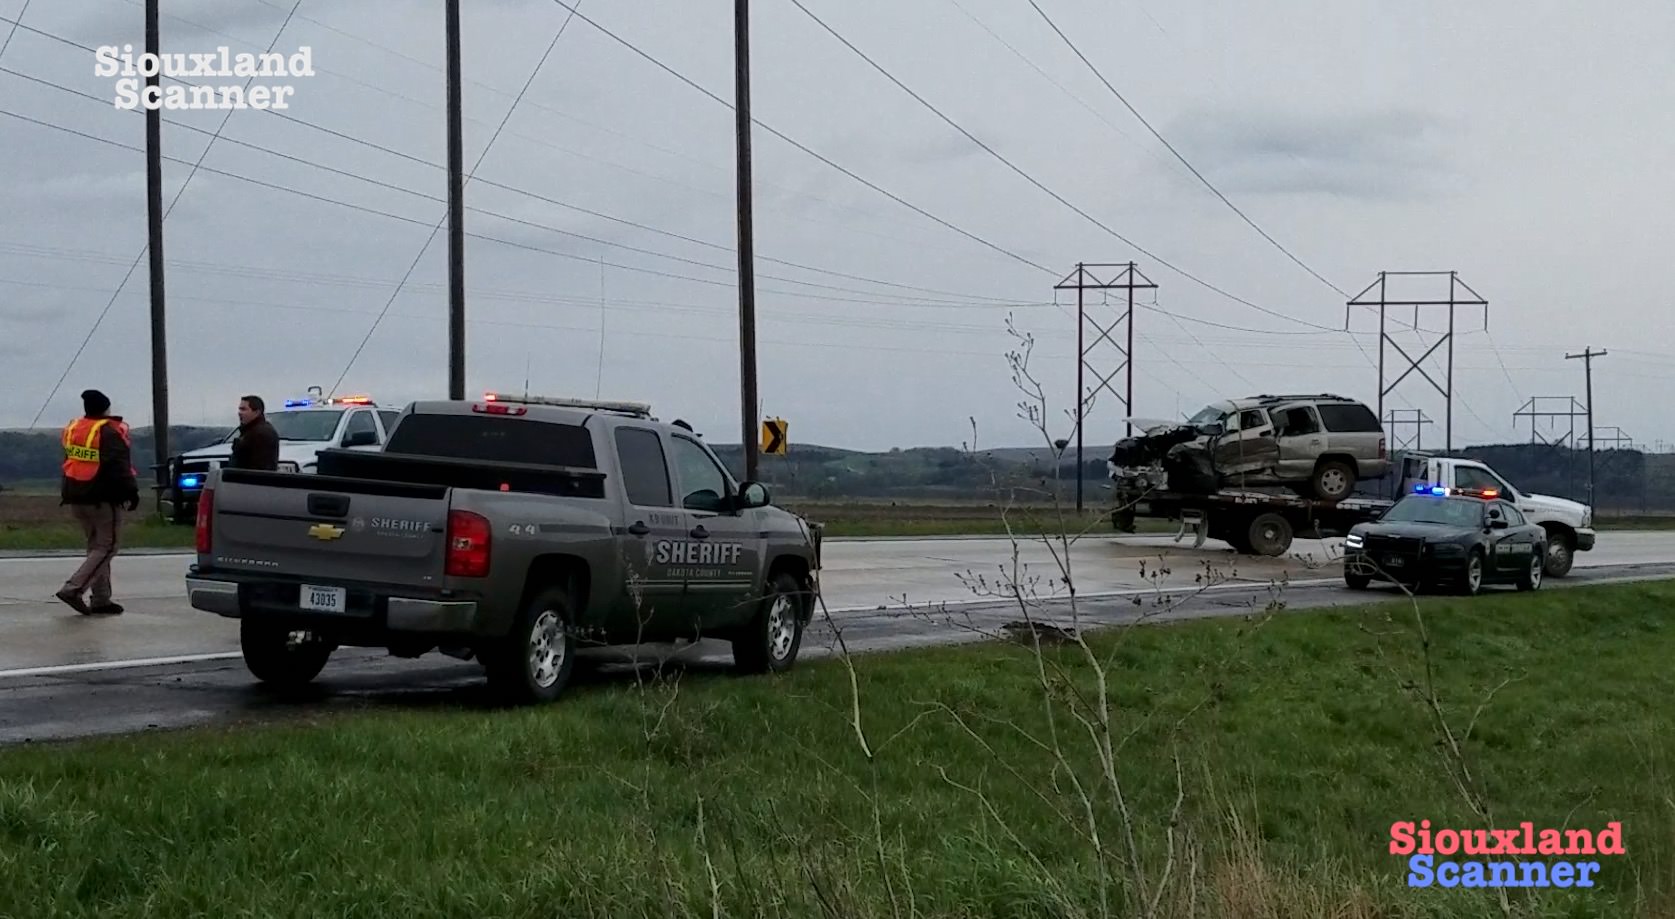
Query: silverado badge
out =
(325, 531)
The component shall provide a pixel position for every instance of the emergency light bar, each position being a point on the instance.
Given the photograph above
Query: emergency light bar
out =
(1424, 489)
(632, 408)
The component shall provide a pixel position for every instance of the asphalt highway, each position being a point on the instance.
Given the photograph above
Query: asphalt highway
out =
(163, 664)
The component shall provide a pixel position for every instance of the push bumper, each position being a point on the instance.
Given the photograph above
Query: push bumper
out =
(1584, 540)
(236, 600)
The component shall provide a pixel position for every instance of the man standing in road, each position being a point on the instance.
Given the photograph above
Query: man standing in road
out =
(99, 481)
(257, 443)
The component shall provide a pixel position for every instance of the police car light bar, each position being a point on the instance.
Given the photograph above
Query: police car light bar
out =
(632, 408)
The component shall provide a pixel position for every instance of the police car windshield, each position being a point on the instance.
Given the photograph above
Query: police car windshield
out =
(1450, 511)
(313, 424)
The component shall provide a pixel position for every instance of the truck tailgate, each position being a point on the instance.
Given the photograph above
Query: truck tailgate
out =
(330, 529)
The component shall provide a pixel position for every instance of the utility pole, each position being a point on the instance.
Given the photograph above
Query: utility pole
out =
(1082, 280)
(1587, 356)
(747, 273)
(1418, 421)
(456, 212)
(154, 220)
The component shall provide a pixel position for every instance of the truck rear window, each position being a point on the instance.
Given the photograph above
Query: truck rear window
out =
(495, 440)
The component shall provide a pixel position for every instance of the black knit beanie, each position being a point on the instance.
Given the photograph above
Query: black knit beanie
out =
(94, 402)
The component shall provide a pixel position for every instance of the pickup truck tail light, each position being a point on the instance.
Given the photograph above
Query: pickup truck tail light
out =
(206, 519)
(468, 545)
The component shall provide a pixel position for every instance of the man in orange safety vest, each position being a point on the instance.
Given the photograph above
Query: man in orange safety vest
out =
(99, 482)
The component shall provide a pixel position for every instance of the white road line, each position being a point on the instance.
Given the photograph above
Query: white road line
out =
(120, 665)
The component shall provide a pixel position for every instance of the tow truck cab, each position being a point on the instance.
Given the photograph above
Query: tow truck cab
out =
(305, 427)
(1569, 524)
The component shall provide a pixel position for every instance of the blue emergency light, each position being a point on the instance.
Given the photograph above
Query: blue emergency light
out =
(189, 481)
(297, 403)
(1423, 489)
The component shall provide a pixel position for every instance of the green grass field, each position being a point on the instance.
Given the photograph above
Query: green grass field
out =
(1295, 742)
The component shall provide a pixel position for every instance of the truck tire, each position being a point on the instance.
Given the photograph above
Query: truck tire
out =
(271, 657)
(1268, 534)
(533, 662)
(1561, 554)
(769, 642)
(1333, 480)
(1356, 581)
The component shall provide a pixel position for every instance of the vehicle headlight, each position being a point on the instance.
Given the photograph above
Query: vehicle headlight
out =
(1587, 517)
(1354, 541)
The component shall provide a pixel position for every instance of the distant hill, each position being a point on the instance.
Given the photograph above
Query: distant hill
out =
(1628, 480)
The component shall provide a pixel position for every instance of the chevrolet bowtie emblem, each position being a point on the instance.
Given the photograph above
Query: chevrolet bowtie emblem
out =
(325, 531)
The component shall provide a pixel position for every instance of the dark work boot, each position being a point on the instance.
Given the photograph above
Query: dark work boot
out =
(73, 600)
(107, 608)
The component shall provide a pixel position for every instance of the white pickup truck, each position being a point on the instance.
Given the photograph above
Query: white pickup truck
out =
(1569, 524)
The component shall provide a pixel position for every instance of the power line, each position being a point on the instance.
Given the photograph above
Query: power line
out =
(13, 30)
(1038, 184)
(144, 249)
(912, 302)
(1163, 140)
(509, 188)
(803, 147)
(444, 218)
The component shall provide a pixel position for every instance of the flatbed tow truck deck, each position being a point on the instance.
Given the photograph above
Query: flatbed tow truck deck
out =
(1252, 522)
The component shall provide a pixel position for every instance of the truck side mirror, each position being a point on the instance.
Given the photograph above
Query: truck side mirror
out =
(753, 495)
(361, 439)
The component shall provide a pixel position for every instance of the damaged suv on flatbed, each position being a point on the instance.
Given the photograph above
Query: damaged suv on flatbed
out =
(1318, 445)
(512, 530)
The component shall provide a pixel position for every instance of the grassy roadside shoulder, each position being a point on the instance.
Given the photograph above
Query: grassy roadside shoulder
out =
(1276, 752)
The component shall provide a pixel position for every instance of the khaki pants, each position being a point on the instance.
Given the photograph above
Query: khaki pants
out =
(102, 525)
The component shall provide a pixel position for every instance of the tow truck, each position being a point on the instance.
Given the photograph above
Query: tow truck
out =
(1259, 522)
(305, 426)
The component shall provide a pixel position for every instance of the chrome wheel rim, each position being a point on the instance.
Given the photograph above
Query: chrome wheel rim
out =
(782, 628)
(547, 647)
(1474, 574)
(1535, 572)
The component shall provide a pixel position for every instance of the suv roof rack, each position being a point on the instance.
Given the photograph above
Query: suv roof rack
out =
(636, 409)
(1288, 397)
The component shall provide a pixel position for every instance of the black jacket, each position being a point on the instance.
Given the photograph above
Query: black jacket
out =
(256, 446)
(115, 482)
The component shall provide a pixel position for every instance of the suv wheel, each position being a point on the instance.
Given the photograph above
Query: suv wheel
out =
(1333, 480)
(534, 661)
(770, 641)
(281, 656)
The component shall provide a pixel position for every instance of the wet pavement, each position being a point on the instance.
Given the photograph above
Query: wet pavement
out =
(163, 665)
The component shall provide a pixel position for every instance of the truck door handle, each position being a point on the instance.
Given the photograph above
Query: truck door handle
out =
(638, 528)
(698, 532)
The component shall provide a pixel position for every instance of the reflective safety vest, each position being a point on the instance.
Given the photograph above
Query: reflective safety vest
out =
(81, 447)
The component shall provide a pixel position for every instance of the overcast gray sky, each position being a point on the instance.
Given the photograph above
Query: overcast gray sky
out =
(1524, 145)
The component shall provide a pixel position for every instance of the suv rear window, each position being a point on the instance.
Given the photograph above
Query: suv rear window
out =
(1349, 418)
(495, 440)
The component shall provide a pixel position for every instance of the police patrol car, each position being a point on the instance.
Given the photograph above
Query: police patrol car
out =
(1438, 534)
(305, 427)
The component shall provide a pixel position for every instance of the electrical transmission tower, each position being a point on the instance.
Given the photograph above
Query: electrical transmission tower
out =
(1532, 410)
(1418, 421)
(1084, 279)
(1385, 302)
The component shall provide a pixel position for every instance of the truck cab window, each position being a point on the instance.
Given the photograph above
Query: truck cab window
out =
(360, 423)
(645, 470)
(703, 484)
(1470, 477)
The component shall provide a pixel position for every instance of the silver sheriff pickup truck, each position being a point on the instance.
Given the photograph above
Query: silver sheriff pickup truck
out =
(513, 530)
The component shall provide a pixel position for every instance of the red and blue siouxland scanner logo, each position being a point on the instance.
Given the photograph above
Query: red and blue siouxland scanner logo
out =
(1423, 844)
